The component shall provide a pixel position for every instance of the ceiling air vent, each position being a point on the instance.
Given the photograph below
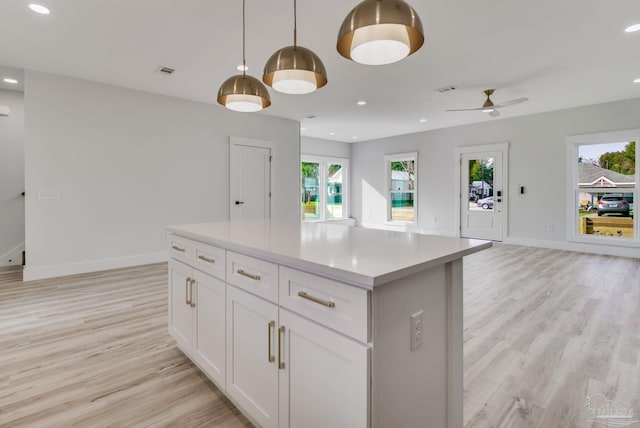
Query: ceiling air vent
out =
(446, 89)
(165, 70)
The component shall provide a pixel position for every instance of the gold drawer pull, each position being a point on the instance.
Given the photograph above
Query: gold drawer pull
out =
(186, 290)
(192, 303)
(175, 247)
(280, 334)
(326, 303)
(270, 328)
(207, 259)
(248, 275)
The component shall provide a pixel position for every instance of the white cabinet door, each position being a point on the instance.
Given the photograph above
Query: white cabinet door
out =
(209, 340)
(180, 312)
(325, 380)
(252, 371)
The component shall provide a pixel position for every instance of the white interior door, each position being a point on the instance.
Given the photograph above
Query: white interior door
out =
(482, 194)
(250, 182)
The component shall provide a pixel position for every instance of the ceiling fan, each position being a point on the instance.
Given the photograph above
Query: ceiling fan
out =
(490, 107)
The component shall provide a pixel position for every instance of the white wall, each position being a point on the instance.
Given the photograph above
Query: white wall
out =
(318, 147)
(11, 179)
(536, 160)
(127, 163)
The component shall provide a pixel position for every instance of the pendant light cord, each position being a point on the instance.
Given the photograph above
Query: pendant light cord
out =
(244, 61)
(295, 25)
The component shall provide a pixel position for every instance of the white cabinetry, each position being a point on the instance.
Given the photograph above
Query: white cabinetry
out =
(252, 375)
(197, 317)
(324, 381)
(180, 311)
(286, 371)
(209, 327)
(298, 339)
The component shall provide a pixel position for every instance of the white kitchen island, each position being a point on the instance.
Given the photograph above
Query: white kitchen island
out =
(319, 325)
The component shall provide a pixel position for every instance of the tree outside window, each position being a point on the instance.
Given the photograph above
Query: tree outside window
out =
(402, 179)
(323, 188)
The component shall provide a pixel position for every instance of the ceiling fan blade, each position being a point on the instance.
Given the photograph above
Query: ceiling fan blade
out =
(467, 109)
(512, 102)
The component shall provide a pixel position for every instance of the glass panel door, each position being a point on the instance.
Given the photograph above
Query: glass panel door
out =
(334, 187)
(309, 191)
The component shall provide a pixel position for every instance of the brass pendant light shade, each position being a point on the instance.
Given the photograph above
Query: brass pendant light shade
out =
(244, 93)
(241, 92)
(378, 32)
(295, 69)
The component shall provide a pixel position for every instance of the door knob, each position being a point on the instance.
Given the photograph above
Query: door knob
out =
(239, 203)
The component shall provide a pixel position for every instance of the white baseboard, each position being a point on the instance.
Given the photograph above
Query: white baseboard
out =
(13, 256)
(575, 246)
(32, 273)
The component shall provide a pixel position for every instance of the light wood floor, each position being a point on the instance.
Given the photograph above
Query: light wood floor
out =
(93, 351)
(544, 330)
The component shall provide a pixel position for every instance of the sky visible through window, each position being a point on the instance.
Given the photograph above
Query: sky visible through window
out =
(593, 151)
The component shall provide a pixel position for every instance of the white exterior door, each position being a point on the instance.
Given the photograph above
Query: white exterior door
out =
(252, 371)
(482, 194)
(325, 378)
(250, 182)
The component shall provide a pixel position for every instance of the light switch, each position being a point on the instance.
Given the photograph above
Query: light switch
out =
(48, 194)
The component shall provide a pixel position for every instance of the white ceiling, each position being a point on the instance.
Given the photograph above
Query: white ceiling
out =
(558, 53)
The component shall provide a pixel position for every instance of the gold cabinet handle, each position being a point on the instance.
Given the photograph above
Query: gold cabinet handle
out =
(271, 358)
(280, 335)
(207, 259)
(248, 275)
(192, 303)
(175, 247)
(326, 303)
(187, 284)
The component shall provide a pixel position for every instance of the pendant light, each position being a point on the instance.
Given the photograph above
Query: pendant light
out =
(378, 32)
(295, 69)
(241, 92)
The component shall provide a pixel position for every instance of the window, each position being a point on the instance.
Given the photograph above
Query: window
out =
(603, 188)
(402, 170)
(324, 188)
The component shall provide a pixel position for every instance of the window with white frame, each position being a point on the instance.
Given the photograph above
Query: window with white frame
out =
(402, 185)
(603, 188)
(324, 188)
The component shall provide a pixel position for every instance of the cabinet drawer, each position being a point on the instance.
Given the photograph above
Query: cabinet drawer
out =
(253, 275)
(181, 249)
(336, 305)
(209, 259)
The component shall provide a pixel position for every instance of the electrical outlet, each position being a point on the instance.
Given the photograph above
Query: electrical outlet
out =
(416, 325)
(549, 228)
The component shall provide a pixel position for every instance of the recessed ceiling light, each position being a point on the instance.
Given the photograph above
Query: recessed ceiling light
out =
(636, 81)
(242, 68)
(332, 133)
(423, 120)
(38, 8)
(303, 129)
(361, 103)
(10, 80)
(355, 138)
(633, 28)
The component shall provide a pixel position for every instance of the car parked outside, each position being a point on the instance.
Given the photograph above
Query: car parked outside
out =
(613, 203)
(485, 203)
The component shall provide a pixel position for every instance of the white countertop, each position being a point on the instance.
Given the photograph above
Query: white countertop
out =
(359, 256)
